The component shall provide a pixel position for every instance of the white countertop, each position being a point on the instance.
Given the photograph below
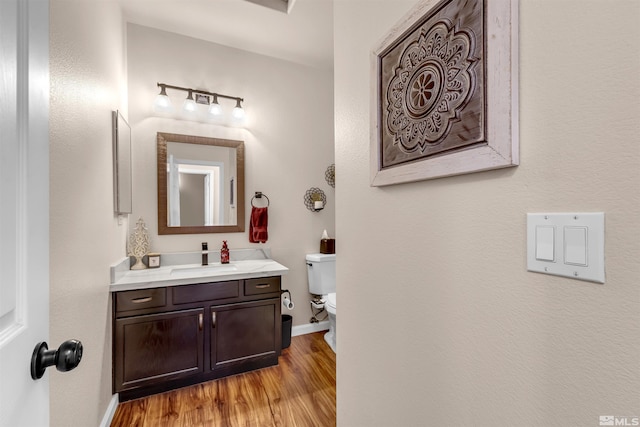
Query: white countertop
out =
(186, 274)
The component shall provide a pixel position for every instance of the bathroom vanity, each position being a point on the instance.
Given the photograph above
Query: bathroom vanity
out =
(184, 324)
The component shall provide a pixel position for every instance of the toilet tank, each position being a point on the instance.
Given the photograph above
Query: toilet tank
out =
(321, 270)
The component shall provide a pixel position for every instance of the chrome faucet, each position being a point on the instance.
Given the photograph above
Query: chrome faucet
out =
(205, 253)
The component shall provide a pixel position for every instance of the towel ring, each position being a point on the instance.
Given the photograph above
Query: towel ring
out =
(259, 195)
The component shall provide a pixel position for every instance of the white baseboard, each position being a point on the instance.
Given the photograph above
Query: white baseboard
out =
(309, 328)
(110, 412)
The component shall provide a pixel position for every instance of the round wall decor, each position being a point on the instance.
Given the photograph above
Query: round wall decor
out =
(315, 199)
(330, 175)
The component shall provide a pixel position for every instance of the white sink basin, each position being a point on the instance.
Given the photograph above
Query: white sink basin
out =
(211, 268)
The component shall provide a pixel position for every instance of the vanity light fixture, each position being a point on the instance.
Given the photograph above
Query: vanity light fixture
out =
(238, 111)
(162, 103)
(215, 109)
(189, 105)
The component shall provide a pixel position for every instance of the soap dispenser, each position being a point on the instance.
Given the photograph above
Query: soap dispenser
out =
(224, 253)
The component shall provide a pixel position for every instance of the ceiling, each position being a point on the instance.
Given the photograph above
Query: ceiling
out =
(304, 35)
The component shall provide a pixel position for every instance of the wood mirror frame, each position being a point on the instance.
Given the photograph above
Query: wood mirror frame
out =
(163, 227)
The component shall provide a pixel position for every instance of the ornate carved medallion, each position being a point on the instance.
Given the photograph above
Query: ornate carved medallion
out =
(433, 86)
(430, 87)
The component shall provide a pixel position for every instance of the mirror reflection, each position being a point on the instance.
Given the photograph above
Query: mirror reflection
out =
(200, 184)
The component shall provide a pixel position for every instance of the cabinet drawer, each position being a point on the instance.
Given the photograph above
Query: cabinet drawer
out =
(143, 298)
(265, 285)
(206, 292)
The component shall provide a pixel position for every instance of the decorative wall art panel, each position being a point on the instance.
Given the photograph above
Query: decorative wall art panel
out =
(444, 92)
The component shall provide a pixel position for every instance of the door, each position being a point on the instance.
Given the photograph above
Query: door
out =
(24, 208)
(174, 193)
(240, 332)
(154, 348)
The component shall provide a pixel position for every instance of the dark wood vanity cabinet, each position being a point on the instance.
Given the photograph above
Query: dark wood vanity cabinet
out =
(157, 347)
(164, 338)
(241, 333)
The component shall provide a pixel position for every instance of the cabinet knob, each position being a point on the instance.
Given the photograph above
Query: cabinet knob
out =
(213, 319)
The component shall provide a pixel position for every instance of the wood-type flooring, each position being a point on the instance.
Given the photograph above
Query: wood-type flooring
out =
(299, 392)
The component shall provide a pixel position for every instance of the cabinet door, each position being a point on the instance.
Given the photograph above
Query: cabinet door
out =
(240, 332)
(158, 347)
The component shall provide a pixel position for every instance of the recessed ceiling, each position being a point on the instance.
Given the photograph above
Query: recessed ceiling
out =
(303, 35)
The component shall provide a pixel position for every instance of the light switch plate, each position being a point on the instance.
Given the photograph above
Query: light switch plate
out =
(578, 245)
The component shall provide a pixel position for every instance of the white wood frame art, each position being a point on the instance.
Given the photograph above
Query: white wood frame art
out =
(444, 92)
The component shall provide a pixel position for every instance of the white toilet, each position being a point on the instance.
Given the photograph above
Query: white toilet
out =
(321, 270)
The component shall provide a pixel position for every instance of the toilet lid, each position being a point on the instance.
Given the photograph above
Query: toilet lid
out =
(331, 300)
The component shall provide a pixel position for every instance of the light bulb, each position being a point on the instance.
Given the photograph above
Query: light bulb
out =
(238, 111)
(162, 103)
(215, 109)
(189, 106)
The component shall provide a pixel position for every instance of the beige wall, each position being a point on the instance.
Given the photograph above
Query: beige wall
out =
(88, 81)
(288, 141)
(466, 335)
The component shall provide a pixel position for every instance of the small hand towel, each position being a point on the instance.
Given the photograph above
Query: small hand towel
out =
(258, 225)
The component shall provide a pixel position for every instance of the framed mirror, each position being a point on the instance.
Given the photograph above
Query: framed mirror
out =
(200, 184)
(122, 194)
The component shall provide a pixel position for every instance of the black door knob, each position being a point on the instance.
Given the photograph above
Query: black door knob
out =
(65, 358)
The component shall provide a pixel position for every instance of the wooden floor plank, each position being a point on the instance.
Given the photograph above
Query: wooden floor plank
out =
(299, 392)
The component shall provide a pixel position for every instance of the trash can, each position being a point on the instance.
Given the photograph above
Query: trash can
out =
(287, 320)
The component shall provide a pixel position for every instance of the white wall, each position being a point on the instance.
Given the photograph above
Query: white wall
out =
(466, 335)
(88, 81)
(288, 140)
